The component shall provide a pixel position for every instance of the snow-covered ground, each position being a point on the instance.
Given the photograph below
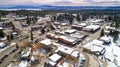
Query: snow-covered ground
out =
(112, 53)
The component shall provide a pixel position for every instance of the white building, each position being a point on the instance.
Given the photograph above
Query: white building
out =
(53, 60)
(105, 39)
(96, 46)
(91, 28)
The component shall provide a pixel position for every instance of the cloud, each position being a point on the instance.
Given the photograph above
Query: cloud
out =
(63, 2)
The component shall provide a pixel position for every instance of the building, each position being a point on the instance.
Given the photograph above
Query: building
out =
(53, 36)
(105, 39)
(91, 28)
(79, 35)
(53, 60)
(94, 21)
(71, 31)
(46, 42)
(68, 40)
(79, 26)
(63, 50)
(96, 47)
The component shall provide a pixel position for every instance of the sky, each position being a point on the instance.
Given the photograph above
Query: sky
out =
(62, 2)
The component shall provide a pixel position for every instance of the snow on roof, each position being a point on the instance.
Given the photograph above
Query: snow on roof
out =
(23, 63)
(55, 57)
(105, 38)
(52, 63)
(94, 20)
(70, 31)
(77, 35)
(97, 42)
(65, 49)
(93, 47)
(2, 44)
(68, 38)
(46, 42)
(109, 27)
(26, 54)
(60, 32)
(75, 54)
(82, 24)
(94, 27)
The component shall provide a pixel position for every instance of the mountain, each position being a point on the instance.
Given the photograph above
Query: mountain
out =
(49, 7)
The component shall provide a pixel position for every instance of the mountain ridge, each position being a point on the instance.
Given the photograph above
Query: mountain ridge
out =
(50, 7)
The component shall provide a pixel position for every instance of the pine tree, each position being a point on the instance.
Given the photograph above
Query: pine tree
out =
(78, 17)
(31, 35)
(8, 38)
(102, 32)
(13, 26)
(1, 34)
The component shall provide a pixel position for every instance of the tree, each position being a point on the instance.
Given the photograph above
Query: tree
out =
(28, 20)
(78, 17)
(8, 38)
(102, 32)
(0, 17)
(42, 31)
(71, 18)
(12, 36)
(117, 24)
(17, 46)
(115, 38)
(111, 33)
(13, 26)
(31, 35)
(1, 33)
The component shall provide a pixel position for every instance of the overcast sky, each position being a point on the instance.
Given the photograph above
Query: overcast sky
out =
(62, 2)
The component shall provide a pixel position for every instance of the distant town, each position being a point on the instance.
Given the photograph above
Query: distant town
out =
(59, 38)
